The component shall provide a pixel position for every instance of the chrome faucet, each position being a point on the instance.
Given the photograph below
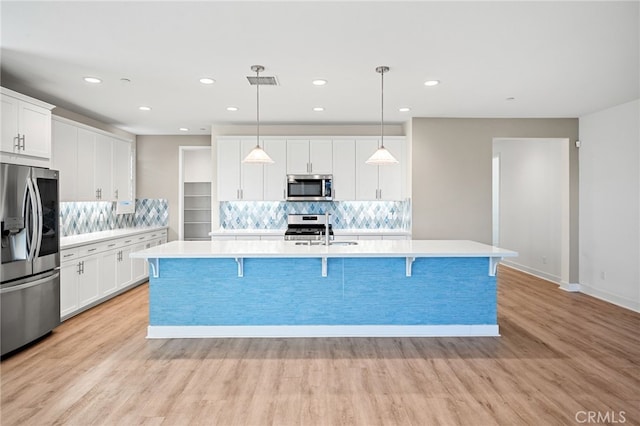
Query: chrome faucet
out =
(326, 228)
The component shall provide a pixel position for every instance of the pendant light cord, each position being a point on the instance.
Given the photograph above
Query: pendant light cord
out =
(382, 110)
(258, 107)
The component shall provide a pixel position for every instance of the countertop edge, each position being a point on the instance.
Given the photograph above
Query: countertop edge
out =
(79, 240)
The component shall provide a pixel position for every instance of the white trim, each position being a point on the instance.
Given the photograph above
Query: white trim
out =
(570, 287)
(611, 298)
(244, 331)
(540, 274)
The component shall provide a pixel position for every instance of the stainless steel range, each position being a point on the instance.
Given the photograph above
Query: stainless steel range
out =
(308, 227)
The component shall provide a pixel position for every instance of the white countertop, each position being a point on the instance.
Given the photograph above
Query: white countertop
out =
(350, 231)
(288, 249)
(96, 237)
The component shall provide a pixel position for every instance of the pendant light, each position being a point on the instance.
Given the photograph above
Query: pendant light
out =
(382, 156)
(257, 154)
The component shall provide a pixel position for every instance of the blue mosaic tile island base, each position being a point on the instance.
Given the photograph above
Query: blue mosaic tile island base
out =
(359, 296)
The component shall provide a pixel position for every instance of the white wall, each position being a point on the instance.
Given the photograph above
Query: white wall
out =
(157, 163)
(532, 188)
(610, 204)
(452, 176)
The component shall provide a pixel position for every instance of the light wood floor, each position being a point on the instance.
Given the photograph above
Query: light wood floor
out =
(560, 355)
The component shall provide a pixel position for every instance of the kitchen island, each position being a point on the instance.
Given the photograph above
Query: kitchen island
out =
(287, 289)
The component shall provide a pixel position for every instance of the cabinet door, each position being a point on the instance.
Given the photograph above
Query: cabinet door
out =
(366, 174)
(9, 124)
(228, 169)
(122, 171)
(102, 166)
(88, 281)
(390, 177)
(137, 265)
(68, 288)
(34, 123)
(321, 157)
(252, 175)
(64, 147)
(124, 269)
(344, 170)
(275, 174)
(85, 189)
(107, 272)
(298, 157)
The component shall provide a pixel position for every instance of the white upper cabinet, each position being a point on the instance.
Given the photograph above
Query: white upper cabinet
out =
(309, 156)
(26, 130)
(238, 180)
(344, 170)
(93, 165)
(275, 174)
(380, 182)
(65, 158)
(122, 170)
(342, 157)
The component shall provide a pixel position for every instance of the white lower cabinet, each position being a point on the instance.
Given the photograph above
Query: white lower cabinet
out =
(88, 280)
(93, 273)
(107, 272)
(68, 288)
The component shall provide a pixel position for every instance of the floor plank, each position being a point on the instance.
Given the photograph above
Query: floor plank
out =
(559, 354)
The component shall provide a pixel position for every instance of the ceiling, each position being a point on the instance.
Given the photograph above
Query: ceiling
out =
(556, 59)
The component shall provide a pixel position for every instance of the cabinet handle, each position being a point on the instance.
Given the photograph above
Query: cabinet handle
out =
(67, 255)
(82, 267)
(111, 245)
(17, 145)
(116, 194)
(79, 271)
(93, 249)
(141, 238)
(127, 241)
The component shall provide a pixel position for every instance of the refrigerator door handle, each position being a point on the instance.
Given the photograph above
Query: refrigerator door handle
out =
(31, 205)
(38, 206)
(30, 283)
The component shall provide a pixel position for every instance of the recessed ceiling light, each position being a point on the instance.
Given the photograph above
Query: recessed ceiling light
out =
(319, 82)
(232, 108)
(184, 129)
(92, 80)
(404, 109)
(207, 80)
(432, 82)
(318, 109)
(144, 108)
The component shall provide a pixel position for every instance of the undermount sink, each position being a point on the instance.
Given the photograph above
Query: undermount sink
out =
(331, 243)
(343, 243)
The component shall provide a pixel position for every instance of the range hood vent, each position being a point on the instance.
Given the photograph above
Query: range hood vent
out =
(264, 81)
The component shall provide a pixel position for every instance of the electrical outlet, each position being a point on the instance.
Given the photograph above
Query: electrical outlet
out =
(544, 260)
(603, 275)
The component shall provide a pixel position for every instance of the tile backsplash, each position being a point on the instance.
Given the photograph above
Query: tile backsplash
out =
(344, 214)
(94, 216)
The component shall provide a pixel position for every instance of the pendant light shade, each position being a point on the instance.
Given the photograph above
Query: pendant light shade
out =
(382, 156)
(257, 154)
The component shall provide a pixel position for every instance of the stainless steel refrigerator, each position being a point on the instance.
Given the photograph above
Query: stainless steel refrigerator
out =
(30, 275)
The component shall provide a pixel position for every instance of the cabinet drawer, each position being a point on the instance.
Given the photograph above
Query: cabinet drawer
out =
(91, 249)
(68, 255)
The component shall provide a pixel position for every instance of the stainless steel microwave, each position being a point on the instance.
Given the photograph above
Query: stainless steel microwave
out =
(309, 187)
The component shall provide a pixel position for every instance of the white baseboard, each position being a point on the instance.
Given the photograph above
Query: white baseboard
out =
(531, 271)
(570, 287)
(611, 298)
(266, 331)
